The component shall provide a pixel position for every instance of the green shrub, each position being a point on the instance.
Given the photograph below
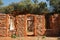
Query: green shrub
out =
(13, 36)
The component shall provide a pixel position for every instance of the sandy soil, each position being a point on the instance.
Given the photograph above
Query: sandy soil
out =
(30, 38)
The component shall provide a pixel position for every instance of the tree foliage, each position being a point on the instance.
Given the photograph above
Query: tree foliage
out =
(27, 6)
(1, 2)
(56, 5)
(35, 1)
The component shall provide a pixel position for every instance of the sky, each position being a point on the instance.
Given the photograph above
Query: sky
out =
(7, 2)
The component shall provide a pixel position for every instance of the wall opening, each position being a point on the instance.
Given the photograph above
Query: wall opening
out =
(30, 25)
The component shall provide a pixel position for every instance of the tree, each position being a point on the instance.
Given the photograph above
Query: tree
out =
(26, 1)
(56, 5)
(1, 2)
(35, 1)
(27, 6)
(43, 7)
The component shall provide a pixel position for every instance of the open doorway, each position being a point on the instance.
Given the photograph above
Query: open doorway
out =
(30, 25)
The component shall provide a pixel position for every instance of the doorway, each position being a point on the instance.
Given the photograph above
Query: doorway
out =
(30, 27)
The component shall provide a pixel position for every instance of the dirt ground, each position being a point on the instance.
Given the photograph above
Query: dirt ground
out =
(30, 38)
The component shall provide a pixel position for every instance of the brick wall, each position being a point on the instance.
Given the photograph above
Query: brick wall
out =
(39, 24)
(20, 25)
(3, 25)
(54, 25)
(11, 28)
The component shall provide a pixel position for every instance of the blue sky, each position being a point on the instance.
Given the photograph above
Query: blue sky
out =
(7, 2)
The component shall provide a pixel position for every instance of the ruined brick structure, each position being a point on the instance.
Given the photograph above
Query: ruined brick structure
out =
(29, 25)
(3, 25)
(22, 25)
(53, 25)
(38, 25)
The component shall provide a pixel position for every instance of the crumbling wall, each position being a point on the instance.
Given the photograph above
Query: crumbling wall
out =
(11, 27)
(20, 25)
(55, 24)
(40, 25)
(3, 25)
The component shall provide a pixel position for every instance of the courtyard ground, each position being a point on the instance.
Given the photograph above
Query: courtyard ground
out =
(30, 38)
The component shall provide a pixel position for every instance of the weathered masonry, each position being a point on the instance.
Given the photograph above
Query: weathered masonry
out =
(29, 25)
(22, 25)
(53, 25)
(5, 25)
